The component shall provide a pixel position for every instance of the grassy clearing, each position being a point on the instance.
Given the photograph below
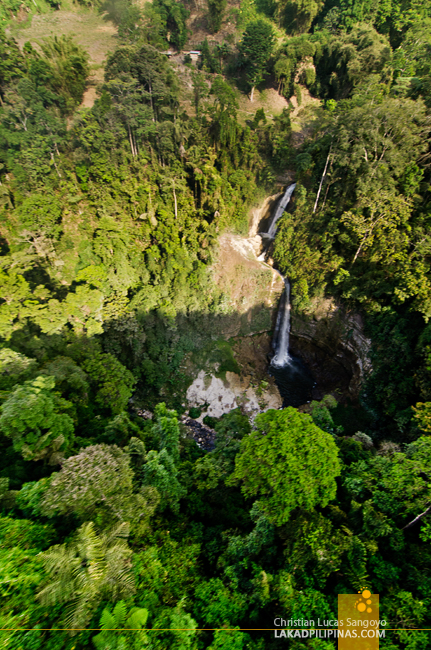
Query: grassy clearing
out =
(89, 28)
(303, 116)
(266, 98)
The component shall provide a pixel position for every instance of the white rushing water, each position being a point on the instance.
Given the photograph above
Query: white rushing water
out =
(280, 209)
(280, 341)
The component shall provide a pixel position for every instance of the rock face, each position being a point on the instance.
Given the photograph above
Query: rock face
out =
(332, 343)
(203, 436)
(260, 215)
(223, 395)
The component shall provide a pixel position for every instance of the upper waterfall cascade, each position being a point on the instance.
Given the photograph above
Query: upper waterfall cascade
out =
(280, 209)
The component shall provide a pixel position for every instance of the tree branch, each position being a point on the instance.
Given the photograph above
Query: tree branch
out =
(322, 179)
(418, 518)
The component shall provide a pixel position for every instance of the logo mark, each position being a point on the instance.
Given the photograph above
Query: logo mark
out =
(364, 602)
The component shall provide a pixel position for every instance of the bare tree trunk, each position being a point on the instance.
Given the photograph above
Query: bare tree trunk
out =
(329, 185)
(326, 194)
(135, 144)
(322, 179)
(360, 248)
(252, 93)
(151, 100)
(55, 164)
(131, 141)
(368, 233)
(418, 518)
(175, 199)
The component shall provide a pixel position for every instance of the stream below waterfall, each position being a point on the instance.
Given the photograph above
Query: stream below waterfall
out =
(294, 380)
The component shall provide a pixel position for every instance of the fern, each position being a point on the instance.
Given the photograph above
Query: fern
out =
(115, 622)
(90, 568)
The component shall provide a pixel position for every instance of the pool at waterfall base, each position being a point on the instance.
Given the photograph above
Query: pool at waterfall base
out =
(294, 382)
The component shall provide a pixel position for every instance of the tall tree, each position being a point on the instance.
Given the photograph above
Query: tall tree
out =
(345, 60)
(12, 62)
(200, 89)
(33, 416)
(255, 49)
(216, 9)
(297, 15)
(174, 15)
(288, 463)
(64, 68)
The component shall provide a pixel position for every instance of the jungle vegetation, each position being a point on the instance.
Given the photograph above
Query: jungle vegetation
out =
(109, 220)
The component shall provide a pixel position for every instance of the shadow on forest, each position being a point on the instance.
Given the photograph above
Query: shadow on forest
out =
(154, 344)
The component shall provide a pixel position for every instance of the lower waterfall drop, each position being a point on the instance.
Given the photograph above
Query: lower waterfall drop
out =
(293, 379)
(280, 340)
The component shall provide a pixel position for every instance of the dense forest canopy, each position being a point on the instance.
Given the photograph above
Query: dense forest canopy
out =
(109, 223)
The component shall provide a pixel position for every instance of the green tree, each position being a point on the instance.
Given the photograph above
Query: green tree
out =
(422, 415)
(200, 89)
(160, 473)
(179, 629)
(120, 429)
(209, 62)
(159, 86)
(412, 70)
(255, 49)
(113, 382)
(297, 15)
(363, 168)
(137, 23)
(70, 379)
(167, 430)
(174, 16)
(383, 215)
(346, 59)
(320, 412)
(288, 462)
(21, 541)
(33, 416)
(396, 482)
(64, 68)
(98, 483)
(224, 127)
(231, 639)
(216, 9)
(32, 132)
(218, 605)
(283, 69)
(12, 62)
(128, 100)
(14, 367)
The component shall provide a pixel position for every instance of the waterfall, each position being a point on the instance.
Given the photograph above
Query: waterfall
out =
(280, 341)
(280, 209)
